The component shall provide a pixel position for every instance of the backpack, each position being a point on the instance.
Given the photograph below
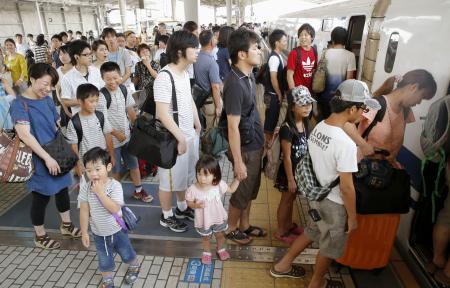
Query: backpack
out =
(163, 60)
(263, 76)
(435, 143)
(79, 129)
(107, 95)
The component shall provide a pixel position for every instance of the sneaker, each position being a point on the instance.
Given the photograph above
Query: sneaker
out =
(173, 224)
(132, 274)
(206, 258)
(143, 196)
(295, 272)
(188, 213)
(108, 283)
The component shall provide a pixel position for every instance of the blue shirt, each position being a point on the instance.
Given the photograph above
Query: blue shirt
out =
(224, 65)
(206, 71)
(42, 117)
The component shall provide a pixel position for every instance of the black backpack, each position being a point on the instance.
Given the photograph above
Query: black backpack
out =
(107, 95)
(79, 129)
(163, 60)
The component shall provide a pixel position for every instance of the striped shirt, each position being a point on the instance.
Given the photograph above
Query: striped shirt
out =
(40, 54)
(92, 133)
(117, 114)
(163, 93)
(101, 220)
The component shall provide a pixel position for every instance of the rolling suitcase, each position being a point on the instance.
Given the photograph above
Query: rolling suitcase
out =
(370, 245)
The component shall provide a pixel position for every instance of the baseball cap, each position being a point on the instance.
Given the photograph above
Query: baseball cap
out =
(357, 91)
(300, 95)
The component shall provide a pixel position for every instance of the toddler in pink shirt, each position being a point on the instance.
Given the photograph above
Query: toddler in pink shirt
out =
(205, 197)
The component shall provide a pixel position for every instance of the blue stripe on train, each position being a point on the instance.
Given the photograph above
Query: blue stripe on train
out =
(412, 164)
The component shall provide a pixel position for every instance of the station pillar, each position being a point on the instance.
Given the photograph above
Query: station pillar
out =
(123, 14)
(191, 8)
(229, 6)
(174, 9)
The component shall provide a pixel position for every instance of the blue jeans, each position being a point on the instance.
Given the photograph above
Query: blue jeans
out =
(107, 245)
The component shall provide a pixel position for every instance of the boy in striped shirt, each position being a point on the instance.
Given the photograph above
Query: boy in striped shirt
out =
(100, 199)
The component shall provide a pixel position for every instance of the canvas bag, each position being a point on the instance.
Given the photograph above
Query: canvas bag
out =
(16, 163)
(320, 76)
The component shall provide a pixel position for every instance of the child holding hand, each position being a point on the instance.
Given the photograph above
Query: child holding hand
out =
(204, 197)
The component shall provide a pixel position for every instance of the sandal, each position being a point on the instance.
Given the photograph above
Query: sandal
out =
(45, 242)
(132, 274)
(67, 228)
(251, 229)
(223, 254)
(440, 277)
(287, 237)
(238, 237)
(295, 229)
(206, 258)
(295, 272)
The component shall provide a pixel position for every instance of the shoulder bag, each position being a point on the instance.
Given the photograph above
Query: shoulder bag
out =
(151, 141)
(59, 149)
(16, 163)
(320, 76)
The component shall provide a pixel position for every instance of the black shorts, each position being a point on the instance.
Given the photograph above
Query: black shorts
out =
(272, 112)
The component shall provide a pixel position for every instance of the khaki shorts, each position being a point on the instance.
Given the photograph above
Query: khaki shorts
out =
(329, 232)
(249, 188)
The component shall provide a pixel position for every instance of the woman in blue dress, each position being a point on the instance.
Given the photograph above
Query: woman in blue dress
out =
(36, 121)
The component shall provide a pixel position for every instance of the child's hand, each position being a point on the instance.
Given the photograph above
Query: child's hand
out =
(199, 204)
(85, 239)
(98, 187)
(120, 136)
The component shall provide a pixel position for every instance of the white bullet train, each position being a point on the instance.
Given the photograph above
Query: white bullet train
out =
(392, 37)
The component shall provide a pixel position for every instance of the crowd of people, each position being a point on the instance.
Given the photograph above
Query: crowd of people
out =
(92, 81)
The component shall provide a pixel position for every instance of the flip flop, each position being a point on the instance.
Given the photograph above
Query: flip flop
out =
(442, 278)
(295, 272)
(251, 229)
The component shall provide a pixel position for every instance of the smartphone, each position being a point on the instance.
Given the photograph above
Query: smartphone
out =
(315, 216)
(381, 151)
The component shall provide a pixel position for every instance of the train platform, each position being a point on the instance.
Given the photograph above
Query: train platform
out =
(167, 259)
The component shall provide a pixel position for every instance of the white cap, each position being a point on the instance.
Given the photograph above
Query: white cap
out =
(357, 91)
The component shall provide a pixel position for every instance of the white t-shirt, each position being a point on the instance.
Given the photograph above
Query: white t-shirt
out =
(332, 151)
(93, 135)
(163, 93)
(274, 62)
(339, 62)
(22, 48)
(117, 113)
(73, 78)
(101, 220)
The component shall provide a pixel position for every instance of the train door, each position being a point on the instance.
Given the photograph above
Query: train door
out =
(355, 34)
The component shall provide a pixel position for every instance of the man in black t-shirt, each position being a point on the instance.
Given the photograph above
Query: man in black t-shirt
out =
(245, 133)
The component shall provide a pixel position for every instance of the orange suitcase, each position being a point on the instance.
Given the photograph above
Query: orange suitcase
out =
(370, 245)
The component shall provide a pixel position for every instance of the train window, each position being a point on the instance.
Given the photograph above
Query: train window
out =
(391, 52)
(327, 25)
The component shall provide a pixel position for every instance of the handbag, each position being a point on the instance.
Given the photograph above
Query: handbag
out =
(128, 221)
(394, 198)
(213, 141)
(59, 149)
(16, 163)
(320, 76)
(151, 141)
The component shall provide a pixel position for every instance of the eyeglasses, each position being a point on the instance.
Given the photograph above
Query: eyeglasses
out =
(363, 107)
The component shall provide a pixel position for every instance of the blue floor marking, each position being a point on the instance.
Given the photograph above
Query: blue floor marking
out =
(198, 273)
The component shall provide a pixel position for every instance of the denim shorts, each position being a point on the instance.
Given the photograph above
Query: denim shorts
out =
(107, 245)
(131, 162)
(216, 228)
